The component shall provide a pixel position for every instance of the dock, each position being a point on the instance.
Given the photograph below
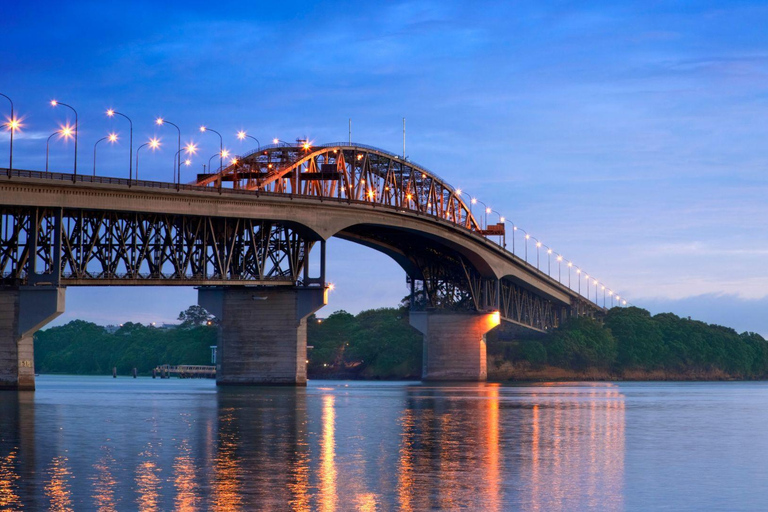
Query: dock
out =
(185, 371)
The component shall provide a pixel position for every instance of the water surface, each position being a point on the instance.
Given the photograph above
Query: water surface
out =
(96, 443)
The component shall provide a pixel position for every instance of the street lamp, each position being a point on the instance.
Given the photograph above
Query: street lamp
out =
(177, 164)
(503, 237)
(203, 129)
(65, 132)
(112, 113)
(222, 155)
(112, 137)
(12, 124)
(55, 103)
(578, 279)
(190, 149)
(487, 210)
(153, 145)
(242, 136)
(538, 246)
(549, 261)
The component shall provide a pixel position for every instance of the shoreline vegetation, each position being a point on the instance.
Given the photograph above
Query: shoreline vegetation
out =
(628, 345)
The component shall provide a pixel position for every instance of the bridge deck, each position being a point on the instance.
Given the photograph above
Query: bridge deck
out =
(61, 190)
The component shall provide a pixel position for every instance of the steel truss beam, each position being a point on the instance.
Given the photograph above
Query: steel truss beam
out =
(353, 173)
(90, 247)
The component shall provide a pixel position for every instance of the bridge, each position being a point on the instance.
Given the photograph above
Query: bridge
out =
(249, 237)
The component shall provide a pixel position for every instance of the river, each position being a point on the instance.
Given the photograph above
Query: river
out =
(97, 443)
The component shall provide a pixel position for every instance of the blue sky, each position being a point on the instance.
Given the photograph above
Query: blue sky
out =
(628, 136)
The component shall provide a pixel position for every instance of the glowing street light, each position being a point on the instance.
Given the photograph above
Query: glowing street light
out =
(112, 138)
(65, 132)
(12, 125)
(177, 162)
(55, 103)
(487, 210)
(113, 113)
(153, 144)
(189, 149)
(242, 136)
(204, 129)
(224, 153)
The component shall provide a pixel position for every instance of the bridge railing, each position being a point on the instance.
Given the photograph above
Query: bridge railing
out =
(85, 178)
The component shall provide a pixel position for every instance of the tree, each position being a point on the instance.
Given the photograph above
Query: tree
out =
(640, 343)
(195, 316)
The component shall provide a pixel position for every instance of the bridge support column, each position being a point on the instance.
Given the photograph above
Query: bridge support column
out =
(22, 312)
(454, 344)
(262, 333)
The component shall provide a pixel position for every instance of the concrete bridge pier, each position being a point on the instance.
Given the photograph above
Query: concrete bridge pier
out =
(454, 344)
(262, 332)
(22, 312)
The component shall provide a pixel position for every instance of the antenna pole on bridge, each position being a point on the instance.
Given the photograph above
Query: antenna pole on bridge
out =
(403, 138)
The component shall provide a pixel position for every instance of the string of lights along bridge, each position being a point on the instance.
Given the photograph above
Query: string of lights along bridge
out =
(328, 171)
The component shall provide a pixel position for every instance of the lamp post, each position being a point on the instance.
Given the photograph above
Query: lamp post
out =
(242, 136)
(177, 163)
(503, 237)
(190, 149)
(459, 193)
(153, 145)
(586, 276)
(12, 125)
(112, 138)
(112, 113)
(549, 261)
(55, 103)
(224, 154)
(487, 211)
(65, 132)
(204, 129)
(538, 246)
(559, 270)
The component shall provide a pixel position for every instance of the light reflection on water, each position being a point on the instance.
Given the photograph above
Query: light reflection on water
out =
(97, 444)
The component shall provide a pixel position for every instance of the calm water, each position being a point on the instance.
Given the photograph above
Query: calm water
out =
(88, 443)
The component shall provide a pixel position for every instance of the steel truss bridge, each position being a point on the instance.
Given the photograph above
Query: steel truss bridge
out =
(256, 222)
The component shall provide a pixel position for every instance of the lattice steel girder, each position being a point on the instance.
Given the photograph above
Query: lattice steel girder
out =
(351, 173)
(92, 247)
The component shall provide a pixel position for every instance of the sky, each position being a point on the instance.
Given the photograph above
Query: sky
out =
(628, 136)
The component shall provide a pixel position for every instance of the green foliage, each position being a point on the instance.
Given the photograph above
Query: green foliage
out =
(195, 316)
(580, 344)
(632, 339)
(534, 352)
(376, 343)
(639, 337)
(381, 344)
(85, 348)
